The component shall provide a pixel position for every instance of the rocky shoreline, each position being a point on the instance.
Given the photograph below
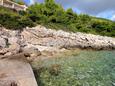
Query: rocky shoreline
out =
(51, 38)
(39, 43)
(40, 38)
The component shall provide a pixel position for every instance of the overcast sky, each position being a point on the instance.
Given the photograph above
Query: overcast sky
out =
(99, 8)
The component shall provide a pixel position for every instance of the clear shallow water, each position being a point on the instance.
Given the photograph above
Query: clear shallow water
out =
(89, 68)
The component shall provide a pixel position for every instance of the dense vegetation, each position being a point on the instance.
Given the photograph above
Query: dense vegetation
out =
(13, 20)
(52, 15)
(89, 68)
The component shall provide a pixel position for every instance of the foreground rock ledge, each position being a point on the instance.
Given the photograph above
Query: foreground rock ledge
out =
(16, 71)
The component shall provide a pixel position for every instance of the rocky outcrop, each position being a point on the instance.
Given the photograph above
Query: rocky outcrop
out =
(10, 42)
(39, 38)
(51, 38)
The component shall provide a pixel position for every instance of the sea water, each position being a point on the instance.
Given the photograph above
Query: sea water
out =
(88, 68)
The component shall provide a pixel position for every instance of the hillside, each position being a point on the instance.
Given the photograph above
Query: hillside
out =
(53, 15)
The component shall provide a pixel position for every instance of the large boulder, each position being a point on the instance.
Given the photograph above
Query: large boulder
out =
(32, 51)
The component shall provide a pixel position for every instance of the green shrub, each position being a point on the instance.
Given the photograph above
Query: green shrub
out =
(12, 20)
(54, 16)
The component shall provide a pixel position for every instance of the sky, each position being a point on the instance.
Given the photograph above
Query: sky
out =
(98, 8)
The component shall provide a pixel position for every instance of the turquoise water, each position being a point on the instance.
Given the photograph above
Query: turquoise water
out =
(89, 68)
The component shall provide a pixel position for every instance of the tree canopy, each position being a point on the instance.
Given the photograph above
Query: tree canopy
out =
(53, 15)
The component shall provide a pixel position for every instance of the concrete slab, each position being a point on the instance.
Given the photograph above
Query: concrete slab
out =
(16, 71)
